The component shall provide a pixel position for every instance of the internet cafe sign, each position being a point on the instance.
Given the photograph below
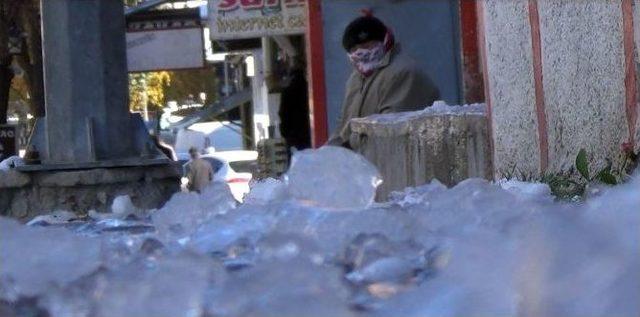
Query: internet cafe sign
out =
(238, 19)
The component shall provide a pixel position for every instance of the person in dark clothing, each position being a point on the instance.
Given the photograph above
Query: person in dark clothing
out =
(294, 112)
(384, 80)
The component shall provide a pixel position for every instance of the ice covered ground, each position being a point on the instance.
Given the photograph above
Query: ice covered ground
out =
(315, 244)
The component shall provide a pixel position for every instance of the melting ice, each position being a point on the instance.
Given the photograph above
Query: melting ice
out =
(315, 244)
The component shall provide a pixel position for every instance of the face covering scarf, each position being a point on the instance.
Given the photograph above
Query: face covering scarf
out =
(367, 60)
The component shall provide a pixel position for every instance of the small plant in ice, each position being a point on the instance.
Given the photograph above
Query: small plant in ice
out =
(604, 176)
(607, 175)
(566, 185)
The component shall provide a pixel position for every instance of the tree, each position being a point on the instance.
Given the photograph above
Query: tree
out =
(156, 88)
(23, 18)
(20, 19)
(7, 12)
(192, 82)
(31, 59)
(148, 90)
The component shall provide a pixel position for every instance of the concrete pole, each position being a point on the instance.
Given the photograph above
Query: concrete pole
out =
(86, 85)
(267, 60)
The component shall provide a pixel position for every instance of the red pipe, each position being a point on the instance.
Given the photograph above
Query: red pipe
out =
(471, 73)
(631, 90)
(315, 60)
(543, 138)
(485, 75)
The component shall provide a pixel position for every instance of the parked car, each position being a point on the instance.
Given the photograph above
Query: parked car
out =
(235, 168)
(223, 136)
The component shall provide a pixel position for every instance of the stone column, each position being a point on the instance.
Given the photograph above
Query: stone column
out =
(86, 84)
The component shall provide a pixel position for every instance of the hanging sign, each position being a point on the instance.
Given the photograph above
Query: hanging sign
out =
(241, 19)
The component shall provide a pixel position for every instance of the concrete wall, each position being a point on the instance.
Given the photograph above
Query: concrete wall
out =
(426, 30)
(556, 81)
(583, 66)
(26, 195)
(511, 85)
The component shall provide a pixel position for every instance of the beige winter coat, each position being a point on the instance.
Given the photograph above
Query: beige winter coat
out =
(398, 85)
(200, 174)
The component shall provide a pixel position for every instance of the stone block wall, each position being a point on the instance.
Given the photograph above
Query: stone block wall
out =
(26, 195)
(560, 75)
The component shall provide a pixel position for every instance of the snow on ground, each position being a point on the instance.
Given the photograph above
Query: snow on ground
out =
(11, 162)
(477, 249)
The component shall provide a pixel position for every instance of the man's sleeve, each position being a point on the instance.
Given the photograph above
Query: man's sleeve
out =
(335, 138)
(409, 90)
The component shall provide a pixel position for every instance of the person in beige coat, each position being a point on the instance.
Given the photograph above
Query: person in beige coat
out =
(199, 172)
(383, 80)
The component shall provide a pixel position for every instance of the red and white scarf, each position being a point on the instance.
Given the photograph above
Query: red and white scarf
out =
(367, 60)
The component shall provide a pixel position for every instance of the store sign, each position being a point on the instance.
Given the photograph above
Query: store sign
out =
(165, 49)
(8, 141)
(241, 19)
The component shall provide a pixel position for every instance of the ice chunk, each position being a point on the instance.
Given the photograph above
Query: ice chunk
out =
(467, 285)
(474, 249)
(54, 218)
(472, 205)
(75, 300)
(375, 258)
(217, 234)
(33, 259)
(534, 190)
(121, 208)
(11, 162)
(379, 268)
(291, 287)
(216, 199)
(131, 227)
(139, 288)
(332, 177)
(417, 195)
(171, 287)
(333, 231)
(388, 270)
(181, 216)
(267, 191)
(287, 246)
(122, 205)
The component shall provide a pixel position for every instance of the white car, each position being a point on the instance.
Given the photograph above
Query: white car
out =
(232, 167)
